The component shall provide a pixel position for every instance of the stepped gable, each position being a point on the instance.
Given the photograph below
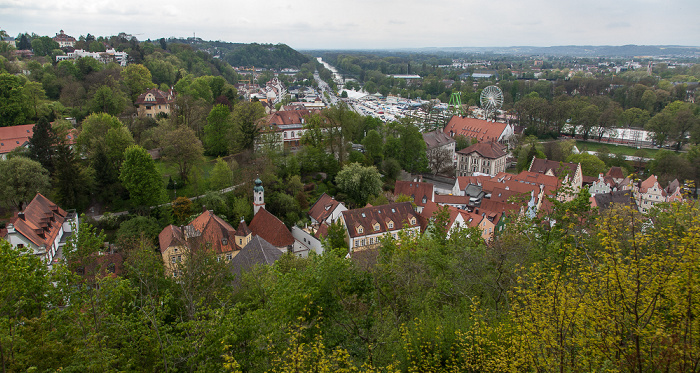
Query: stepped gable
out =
(490, 150)
(323, 208)
(398, 213)
(256, 252)
(271, 229)
(420, 192)
(40, 222)
(479, 129)
(171, 236)
(650, 182)
(213, 230)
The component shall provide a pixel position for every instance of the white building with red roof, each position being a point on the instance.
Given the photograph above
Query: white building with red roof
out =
(366, 227)
(42, 227)
(64, 41)
(649, 193)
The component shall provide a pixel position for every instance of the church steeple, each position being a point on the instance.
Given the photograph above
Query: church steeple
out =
(258, 196)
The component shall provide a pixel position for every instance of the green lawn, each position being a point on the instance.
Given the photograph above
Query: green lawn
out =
(614, 149)
(195, 187)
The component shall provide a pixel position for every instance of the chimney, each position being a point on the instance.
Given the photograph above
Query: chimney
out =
(204, 208)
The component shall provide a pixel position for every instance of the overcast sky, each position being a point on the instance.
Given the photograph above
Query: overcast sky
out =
(371, 24)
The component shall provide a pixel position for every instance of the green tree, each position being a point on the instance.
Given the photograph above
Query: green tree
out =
(183, 148)
(221, 175)
(359, 182)
(590, 164)
(108, 100)
(14, 108)
(217, 131)
(72, 181)
(43, 46)
(21, 179)
(137, 79)
(374, 146)
(139, 226)
(41, 145)
(141, 178)
(24, 285)
(245, 119)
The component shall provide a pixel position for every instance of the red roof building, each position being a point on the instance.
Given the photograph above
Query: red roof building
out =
(42, 227)
(482, 158)
(326, 210)
(479, 129)
(365, 227)
(272, 230)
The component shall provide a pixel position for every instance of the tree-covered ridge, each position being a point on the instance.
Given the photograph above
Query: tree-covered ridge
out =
(268, 56)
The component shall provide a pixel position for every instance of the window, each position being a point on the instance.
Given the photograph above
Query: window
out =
(173, 259)
(229, 256)
(413, 221)
(240, 241)
(20, 245)
(224, 241)
(360, 230)
(390, 225)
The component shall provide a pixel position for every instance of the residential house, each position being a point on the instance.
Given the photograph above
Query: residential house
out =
(110, 55)
(9, 40)
(18, 136)
(487, 158)
(606, 200)
(284, 129)
(365, 227)
(43, 228)
(461, 183)
(479, 129)
(326, 210)
(64, 41)
(155, 102)
(649, 193)
(420, 192)
(460, 218)
(440, 150)
(207, 231)
(273, 230)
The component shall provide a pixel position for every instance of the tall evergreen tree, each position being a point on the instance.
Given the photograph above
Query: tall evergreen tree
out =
(41, 144)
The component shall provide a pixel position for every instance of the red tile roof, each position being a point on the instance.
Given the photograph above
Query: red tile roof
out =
(215, 231)
(271, 229)
(291, 117)
(417, 190)
(451, 199)
(171, 236)
(649, 183)
(322, 209)
(615, 172)
(399, 213)
(479, 129)
(489, 150)
(41, 222)
(14, 137)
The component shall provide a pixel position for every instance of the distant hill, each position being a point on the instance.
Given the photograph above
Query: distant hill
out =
(271, 56)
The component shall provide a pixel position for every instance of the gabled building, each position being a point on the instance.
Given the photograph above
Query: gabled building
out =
(487, 158)
(205, 232)
(155, 102)
(420, 192)
(326, 210)
(14, 137)
(365, 227)
(605, 201)
(649, 193)
(42, 227)
(284, 129)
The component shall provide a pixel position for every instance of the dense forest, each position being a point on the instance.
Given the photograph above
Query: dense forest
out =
(579, 290)
(267, 56)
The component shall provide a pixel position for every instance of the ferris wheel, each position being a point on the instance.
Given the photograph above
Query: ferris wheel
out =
(491, 99)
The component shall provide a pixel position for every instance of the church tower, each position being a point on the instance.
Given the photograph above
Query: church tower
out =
(258, 196)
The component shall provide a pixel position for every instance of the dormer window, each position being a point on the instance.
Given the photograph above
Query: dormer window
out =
(390, 225)
(413, 221)
(360, 230)
(224, 241)
(376, 227)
